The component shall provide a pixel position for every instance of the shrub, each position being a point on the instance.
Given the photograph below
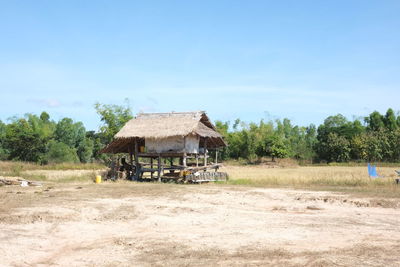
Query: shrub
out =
(59, 152)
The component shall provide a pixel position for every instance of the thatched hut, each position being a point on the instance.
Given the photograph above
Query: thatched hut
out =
(183, 135)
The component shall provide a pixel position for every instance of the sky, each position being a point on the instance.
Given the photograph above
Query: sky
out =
(253, 60)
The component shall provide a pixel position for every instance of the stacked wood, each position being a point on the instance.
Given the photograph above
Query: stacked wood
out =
(21, 182)
(4, 181)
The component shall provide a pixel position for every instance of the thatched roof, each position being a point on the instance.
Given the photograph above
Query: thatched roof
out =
(164, 125)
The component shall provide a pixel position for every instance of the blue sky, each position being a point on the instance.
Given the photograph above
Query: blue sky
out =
(304, 60)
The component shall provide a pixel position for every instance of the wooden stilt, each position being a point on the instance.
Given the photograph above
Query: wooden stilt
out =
(184, 152)
(205, 151)
(216, 156)
(159, 169)
(197, 160)
(135, 155)
(151, 166)
(130, 161)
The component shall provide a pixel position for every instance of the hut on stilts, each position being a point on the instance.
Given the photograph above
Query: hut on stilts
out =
(170, 146)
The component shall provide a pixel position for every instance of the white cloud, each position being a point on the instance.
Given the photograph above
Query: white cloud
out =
(45, 102)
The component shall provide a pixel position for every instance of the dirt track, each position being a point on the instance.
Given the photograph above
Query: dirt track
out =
(126, 224)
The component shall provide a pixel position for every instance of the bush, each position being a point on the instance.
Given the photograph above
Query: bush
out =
(60, 152)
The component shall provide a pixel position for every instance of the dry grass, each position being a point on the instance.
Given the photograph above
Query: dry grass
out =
(337, 178)
(64, 172)
(18, 166)
(351, 179)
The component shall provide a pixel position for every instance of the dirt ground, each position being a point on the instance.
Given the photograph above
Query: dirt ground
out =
(134, 224)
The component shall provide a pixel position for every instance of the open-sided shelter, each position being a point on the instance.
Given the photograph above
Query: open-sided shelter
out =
(184, 135)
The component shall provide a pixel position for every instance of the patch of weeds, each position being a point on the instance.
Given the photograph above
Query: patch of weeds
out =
(16, 169)
(34, 177)
(73, 166)
(19, 166)
(242, 182)
(78, 178)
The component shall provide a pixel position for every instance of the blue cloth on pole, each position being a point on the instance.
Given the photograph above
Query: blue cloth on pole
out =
(372, 171)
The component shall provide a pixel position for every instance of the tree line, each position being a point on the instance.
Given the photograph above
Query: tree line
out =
(42, 140)
(374, 138)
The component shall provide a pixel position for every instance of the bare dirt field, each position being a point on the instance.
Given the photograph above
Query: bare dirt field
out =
(139, 224)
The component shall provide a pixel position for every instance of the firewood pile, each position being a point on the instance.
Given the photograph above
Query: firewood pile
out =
(17, 181)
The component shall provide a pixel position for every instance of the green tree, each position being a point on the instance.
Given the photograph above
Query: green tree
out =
(25, 140)
(44, 116)
(276, 147)
(375, 121)
(359, 147)
(114, 118)
(85, 150)
(223, 128)
(3, 151)
(374, 147)
(70, 133)
(60, 152)
(302, 142)
(338, 148)
(97, 144)
(390, 120)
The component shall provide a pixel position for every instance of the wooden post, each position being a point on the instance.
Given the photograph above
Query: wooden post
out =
(184, 152)
(130, 161)
(159, 168)
(135, 155)
(197, 160)
(151, 167)
(216, 156)
(205, 152)
(130, 155)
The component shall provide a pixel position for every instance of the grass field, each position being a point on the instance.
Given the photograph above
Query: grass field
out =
(334, 178)
(347, 177)
(17, 166)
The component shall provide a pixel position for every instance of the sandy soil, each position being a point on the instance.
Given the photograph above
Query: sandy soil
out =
(128, 224)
